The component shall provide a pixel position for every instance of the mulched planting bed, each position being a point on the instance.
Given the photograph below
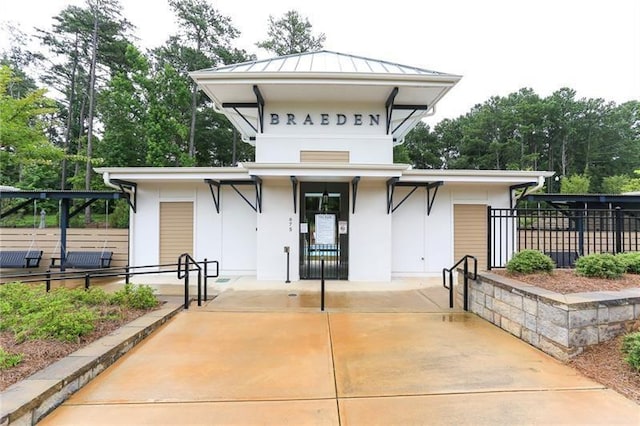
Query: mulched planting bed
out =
(38, 354)
(604, 364)
(565, 281)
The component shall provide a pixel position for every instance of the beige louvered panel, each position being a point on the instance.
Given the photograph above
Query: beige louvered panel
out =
(470, 232)
(324, 156)
(176, 230)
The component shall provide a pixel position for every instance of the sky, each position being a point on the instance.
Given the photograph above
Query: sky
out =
(497, 46)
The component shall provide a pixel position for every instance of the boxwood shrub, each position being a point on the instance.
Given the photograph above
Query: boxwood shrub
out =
(631, 350)
(530, 261)
(631, 262)
(600, 265)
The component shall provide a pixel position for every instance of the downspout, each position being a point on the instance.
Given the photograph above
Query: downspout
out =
(532, 189)
(529, 190)
(106, 178)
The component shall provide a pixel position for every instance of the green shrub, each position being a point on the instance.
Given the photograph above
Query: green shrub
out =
(530, 261)
(93, 296)
(52, 315)
(631, 350)
(120, 216)
(29, 312)
(600, 265)
(631, 262)
(135, 296)
(8, 360)
(57, 322)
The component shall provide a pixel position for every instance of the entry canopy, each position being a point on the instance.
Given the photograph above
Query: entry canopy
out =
(253, 174)
(406, 94)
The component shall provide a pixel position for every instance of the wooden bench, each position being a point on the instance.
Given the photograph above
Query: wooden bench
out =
(20, 258)
(84, 260)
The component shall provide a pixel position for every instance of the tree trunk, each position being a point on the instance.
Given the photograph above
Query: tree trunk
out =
(92, 83)
(564, 155)
(587, 154)
(81, 132)
(194, 99)
(67, 132)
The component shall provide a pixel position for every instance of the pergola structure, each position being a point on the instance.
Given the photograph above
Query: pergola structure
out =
(588, 201)
(65, 198)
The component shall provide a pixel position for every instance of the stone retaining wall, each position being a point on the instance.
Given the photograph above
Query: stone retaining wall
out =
(28, 401)
(562, 325)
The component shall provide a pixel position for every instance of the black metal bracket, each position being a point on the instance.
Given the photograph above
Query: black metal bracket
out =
(431, 199)
(354, 192)
(255, 181)
(294, 187)
(259, 104)
(15, 208)
(260, 100)
(413, 108)
(390, 106)
(518, 186)
(393, 182)
(237, 105)
(133, 190)
(215, 193)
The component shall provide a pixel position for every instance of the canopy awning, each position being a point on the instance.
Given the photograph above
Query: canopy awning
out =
(406, 94)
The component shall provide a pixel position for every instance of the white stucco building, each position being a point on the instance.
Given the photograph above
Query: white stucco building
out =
(323, 184)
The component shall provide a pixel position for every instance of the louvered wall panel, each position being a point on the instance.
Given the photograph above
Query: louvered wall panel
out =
(176, 230)
(324, 156)
(470, 232)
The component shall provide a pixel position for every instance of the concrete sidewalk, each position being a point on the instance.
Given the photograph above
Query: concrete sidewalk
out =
(385, 357)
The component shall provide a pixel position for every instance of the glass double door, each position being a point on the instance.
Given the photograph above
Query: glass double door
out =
(324, 230)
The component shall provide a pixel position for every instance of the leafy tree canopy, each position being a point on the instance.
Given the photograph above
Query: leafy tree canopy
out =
(291, 34)
(575, 184)
(22, 137)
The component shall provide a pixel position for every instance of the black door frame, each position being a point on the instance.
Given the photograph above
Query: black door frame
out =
(336, 256)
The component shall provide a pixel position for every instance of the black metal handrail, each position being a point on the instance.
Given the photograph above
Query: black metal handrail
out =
(205, 264)
(80, 273)
(465, 271)
(127, 272)
(184, 274)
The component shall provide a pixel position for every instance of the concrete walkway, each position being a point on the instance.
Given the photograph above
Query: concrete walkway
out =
(372, 358)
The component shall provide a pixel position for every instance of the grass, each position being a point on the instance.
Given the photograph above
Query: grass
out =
(8, 359)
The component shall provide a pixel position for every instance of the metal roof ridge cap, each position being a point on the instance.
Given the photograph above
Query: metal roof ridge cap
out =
(327, 165)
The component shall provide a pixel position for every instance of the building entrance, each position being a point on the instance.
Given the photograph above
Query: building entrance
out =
(324, 230)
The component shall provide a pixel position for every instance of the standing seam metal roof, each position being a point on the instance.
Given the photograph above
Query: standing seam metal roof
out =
(323, 61)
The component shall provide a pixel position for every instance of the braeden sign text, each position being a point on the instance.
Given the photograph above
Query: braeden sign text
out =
(325, 119)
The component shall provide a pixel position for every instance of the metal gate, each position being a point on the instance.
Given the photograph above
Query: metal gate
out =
(324, 230)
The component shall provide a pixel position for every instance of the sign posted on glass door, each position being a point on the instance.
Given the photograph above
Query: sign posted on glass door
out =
(325, 229)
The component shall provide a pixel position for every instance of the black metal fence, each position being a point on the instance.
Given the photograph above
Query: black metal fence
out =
(563, 234)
